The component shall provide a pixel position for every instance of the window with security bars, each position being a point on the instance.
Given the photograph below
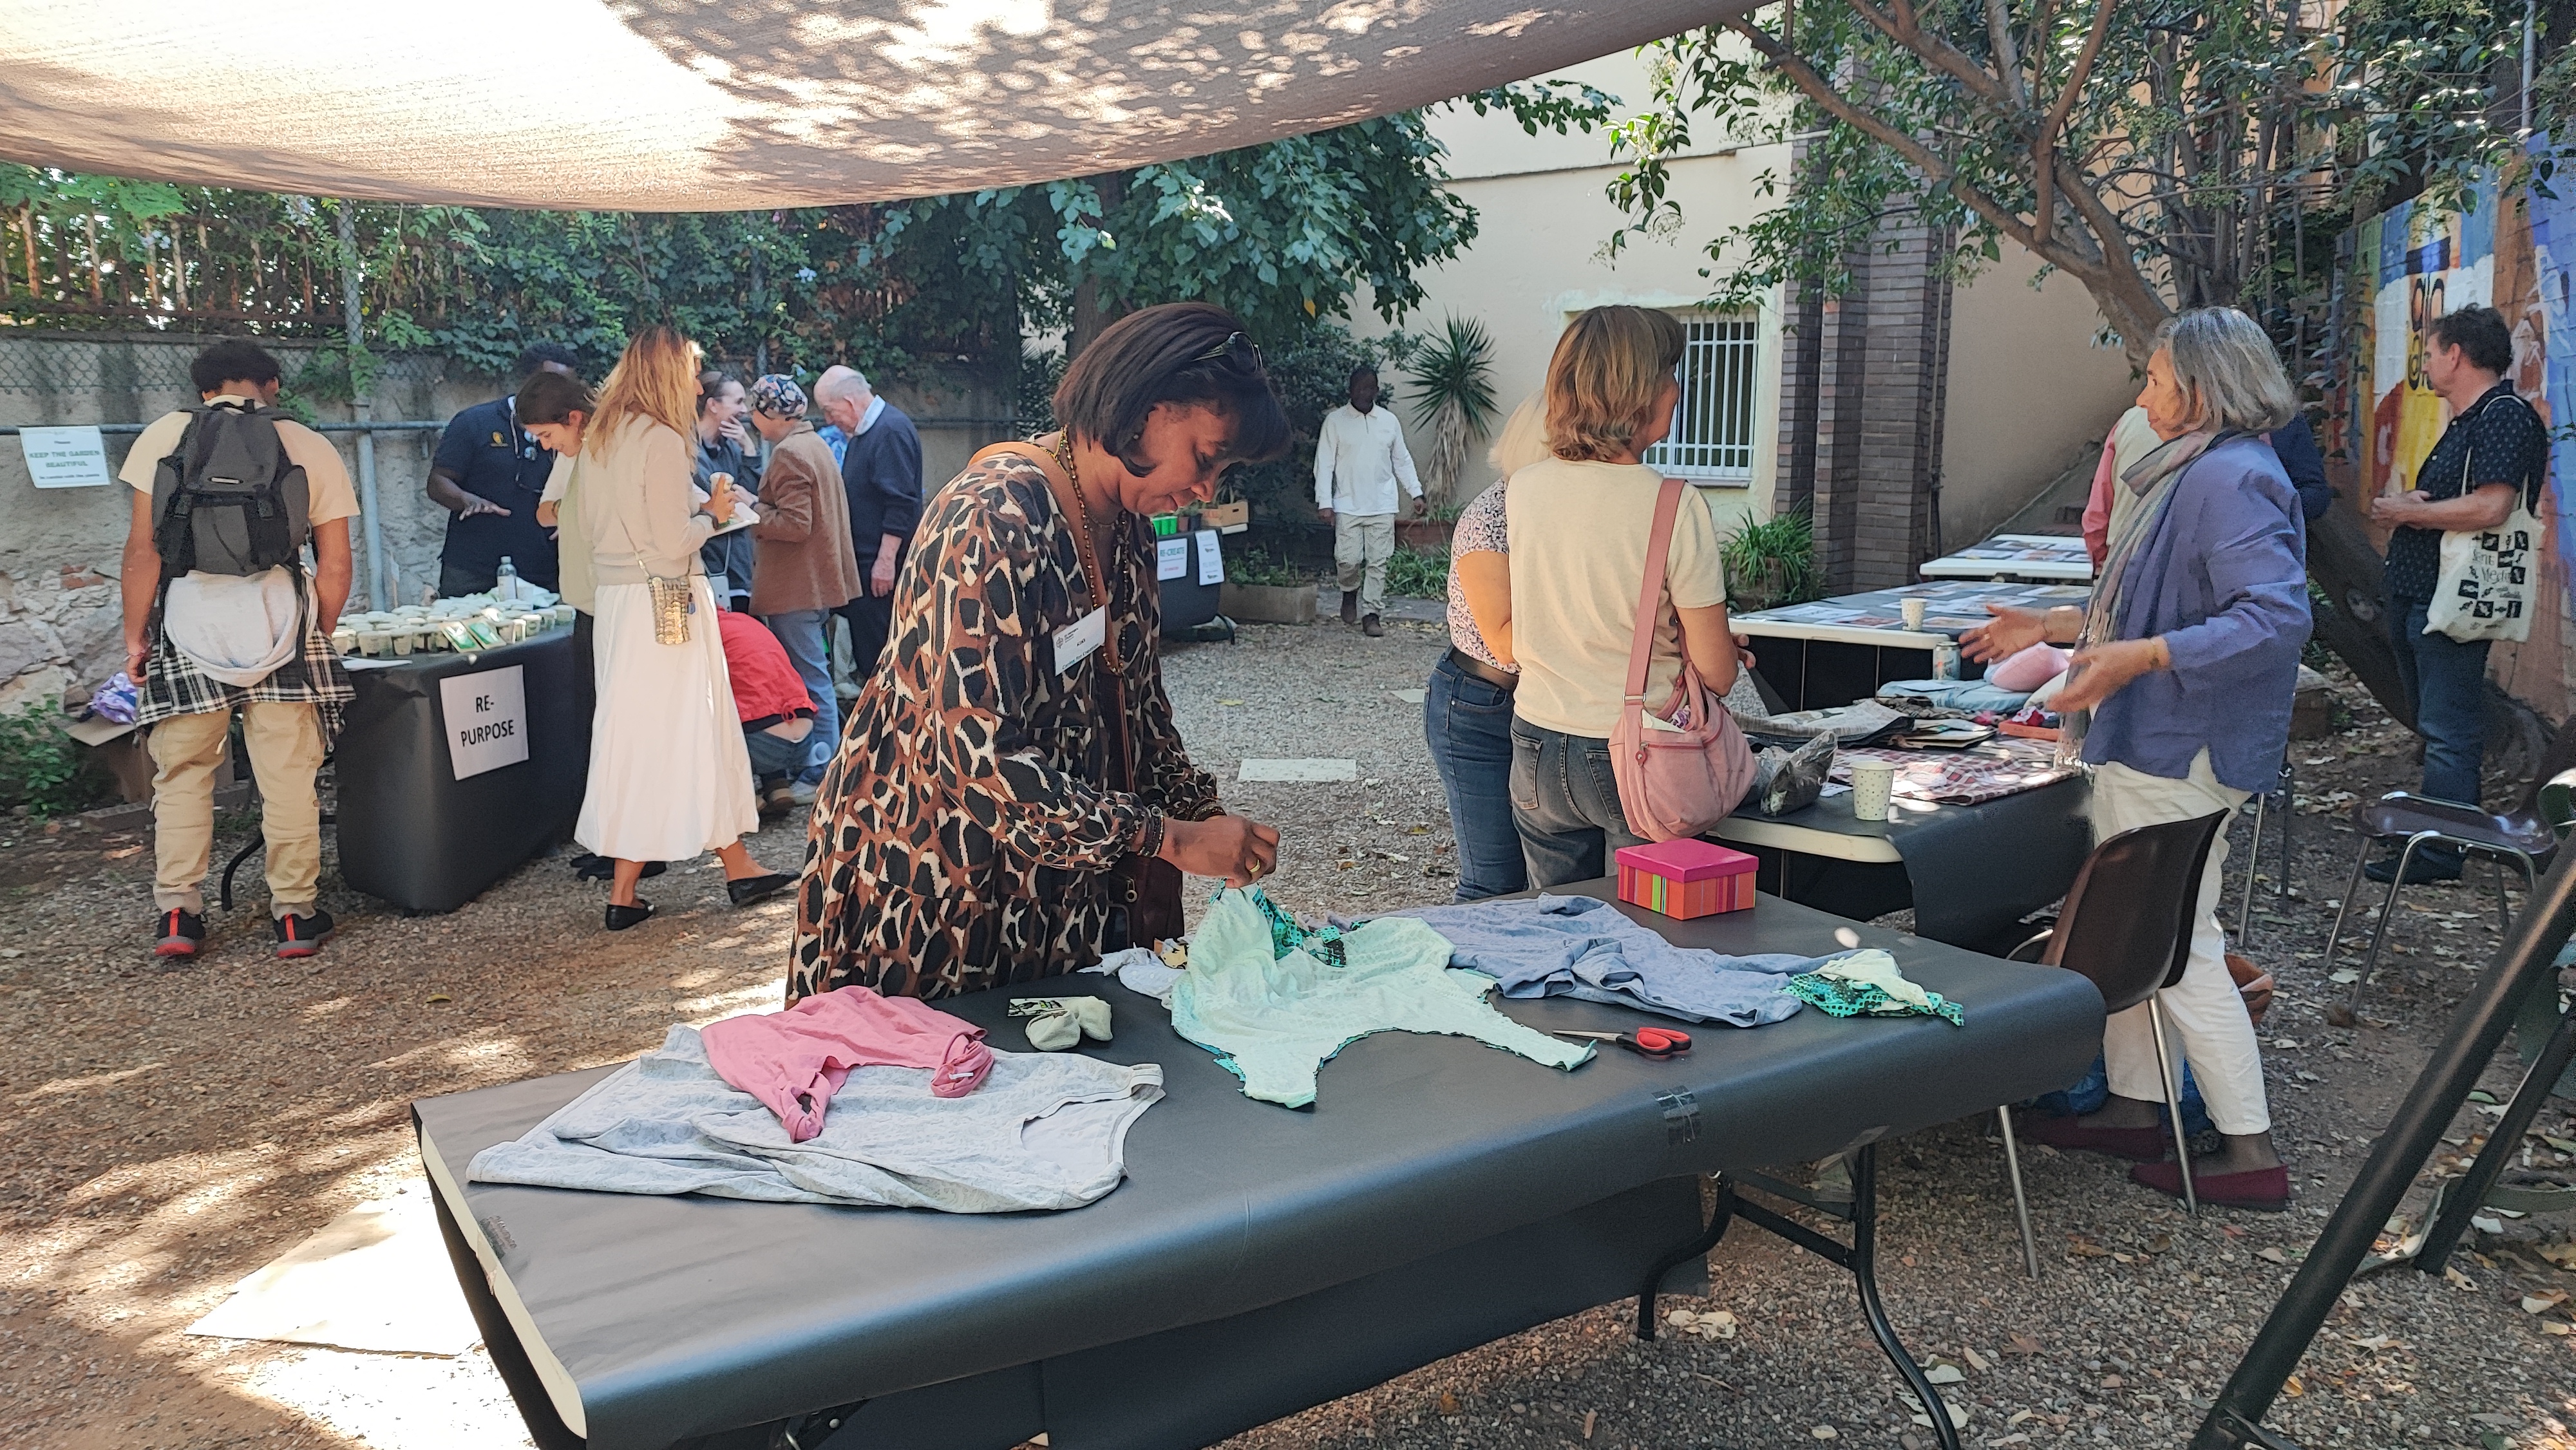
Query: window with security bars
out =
(1712, 434)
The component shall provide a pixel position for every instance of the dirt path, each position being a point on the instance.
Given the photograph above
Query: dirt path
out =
(164, 1133)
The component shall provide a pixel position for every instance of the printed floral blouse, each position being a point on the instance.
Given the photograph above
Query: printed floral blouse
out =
(964, 837)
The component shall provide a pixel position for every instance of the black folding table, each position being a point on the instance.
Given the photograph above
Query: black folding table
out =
(1438, 1195)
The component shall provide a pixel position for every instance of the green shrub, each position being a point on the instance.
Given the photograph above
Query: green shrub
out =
(1259, 568)
(1772, 562)
(43, 768)
(1418, 574)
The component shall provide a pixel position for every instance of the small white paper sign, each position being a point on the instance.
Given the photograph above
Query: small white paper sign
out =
(1211, 559)
(487, 719)
(65, 457)
(1171, 558)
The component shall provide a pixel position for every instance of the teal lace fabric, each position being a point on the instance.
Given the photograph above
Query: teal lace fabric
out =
(1838, 993)
(1324, 944)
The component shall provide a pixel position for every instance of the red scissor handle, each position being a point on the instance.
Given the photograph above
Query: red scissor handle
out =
(1659, 1041)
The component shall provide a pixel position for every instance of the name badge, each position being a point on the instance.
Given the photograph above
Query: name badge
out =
(1077, 641)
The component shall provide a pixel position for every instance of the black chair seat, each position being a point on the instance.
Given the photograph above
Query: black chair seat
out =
(2402, 813)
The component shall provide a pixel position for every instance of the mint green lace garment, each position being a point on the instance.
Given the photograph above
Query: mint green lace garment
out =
(1273, 1011)
(1867, 984)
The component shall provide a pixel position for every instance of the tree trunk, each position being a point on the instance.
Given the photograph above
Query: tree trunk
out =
(1092, 311)
(2352, 619)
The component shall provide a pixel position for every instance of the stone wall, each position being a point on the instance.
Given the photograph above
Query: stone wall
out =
(60, 549)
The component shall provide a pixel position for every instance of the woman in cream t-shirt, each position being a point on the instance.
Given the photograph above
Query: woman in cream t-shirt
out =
(1579, 524)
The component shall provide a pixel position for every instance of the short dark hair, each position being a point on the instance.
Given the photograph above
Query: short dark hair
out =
(553, 398)
(1183, 353)
(1364, 370)
(2479, 333)
(711, 384)
(235, 359)
(538, 354)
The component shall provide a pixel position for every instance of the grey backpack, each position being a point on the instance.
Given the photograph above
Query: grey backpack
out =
(229, 501)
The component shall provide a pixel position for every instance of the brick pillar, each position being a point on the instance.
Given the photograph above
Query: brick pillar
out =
(1863, 391)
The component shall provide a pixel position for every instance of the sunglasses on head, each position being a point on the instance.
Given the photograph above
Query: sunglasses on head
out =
(1237, 351)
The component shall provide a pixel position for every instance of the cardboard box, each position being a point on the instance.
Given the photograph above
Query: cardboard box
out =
(1227, 518)
(1685, 878)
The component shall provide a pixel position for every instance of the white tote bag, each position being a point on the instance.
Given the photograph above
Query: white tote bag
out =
(2485, 588)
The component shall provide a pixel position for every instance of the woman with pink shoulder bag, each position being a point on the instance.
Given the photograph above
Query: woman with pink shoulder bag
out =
(1618, 616)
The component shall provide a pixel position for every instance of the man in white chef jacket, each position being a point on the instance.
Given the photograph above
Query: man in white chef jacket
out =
(1359, 461)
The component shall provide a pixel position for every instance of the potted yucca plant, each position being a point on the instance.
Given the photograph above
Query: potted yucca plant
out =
(1452, 395)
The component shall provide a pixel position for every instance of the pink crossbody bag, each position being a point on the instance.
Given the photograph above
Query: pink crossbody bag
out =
(1684, 780)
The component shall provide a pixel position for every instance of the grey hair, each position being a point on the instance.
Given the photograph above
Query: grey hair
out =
(1523, 440)
(2226, 365)
(838, 382)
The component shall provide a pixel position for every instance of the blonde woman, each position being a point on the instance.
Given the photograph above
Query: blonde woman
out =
(669, 777)
(1580, 520)
(1467, 707)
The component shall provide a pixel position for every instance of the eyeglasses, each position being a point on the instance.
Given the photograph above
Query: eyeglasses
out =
(1237, 351)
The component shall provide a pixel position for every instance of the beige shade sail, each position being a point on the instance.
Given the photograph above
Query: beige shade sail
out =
(659, 105)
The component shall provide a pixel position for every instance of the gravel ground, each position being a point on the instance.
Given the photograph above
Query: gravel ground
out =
(169, 1132)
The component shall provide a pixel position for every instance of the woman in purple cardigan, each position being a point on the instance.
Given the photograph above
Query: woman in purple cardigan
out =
(2189, 654)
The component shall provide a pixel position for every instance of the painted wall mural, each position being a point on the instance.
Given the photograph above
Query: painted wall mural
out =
(2513, 250)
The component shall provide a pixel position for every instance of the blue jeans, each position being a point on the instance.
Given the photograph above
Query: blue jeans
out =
(2447, 683)
(1468, 724)
(1565, 805)
(772, 758)
(803, 632)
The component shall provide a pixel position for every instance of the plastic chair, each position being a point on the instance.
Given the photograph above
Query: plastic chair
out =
(2522, 836)
(2127, 926)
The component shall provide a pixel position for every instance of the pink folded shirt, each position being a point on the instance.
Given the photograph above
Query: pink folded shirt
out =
(795, 1060)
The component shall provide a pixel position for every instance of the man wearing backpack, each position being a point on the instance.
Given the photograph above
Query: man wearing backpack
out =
(221, 616)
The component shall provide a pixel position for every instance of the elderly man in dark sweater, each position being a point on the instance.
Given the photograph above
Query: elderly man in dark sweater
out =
(881, 473)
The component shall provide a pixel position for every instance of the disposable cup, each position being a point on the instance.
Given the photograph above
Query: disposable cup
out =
(371, 643)
(1872, 782)
(1913, 610)
(405, 641)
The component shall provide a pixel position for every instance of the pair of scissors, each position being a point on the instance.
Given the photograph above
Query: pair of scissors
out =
(1654, 1042)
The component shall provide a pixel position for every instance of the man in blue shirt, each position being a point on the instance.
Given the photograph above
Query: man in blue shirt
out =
(488, 474)
(881, 471)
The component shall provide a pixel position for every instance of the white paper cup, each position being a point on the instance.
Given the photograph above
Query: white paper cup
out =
(405, 641)
(1872, 783)
(1913, 611)
(371, 643)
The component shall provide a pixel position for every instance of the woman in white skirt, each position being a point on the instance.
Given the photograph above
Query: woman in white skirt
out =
(669, 777)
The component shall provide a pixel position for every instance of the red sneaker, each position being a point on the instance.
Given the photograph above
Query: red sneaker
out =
(2138, 1145)
(181, 933)
(2265, 1190)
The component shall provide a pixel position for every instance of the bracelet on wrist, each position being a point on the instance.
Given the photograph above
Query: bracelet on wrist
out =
(1150, 843)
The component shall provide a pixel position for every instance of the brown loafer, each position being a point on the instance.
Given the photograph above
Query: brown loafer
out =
(2265, 1190)
(1373, 627)
(2138, 1145)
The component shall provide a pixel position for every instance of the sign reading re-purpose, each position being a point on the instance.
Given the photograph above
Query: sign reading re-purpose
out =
(487, 719)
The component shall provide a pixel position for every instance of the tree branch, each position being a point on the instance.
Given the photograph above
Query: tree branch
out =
(2043, 147)
(2007, 61)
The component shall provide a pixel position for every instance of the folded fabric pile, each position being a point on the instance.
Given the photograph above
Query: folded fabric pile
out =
(1575, 946)
(1273, 1014)
(959, 1127)
(1867, 984)
(2006, 765)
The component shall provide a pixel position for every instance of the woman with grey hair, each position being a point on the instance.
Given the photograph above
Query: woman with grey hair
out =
(2186, 659)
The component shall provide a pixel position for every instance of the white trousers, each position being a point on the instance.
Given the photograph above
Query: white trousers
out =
(2204, 1017)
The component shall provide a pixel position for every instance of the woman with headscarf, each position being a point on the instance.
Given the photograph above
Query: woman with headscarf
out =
(1011, 799)
(804, 564)
(2186, 659)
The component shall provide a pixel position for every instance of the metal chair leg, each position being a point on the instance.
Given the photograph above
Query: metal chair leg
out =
(2173, 1105)
(2021, 1201)
(2253, 863)
(2387, 909)
(2289, 817)
(2504, 908)
(2351, 889)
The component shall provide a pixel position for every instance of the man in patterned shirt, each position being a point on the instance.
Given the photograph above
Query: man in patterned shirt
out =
(2494, 449)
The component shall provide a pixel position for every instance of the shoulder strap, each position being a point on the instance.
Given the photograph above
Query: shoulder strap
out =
(1659, 546)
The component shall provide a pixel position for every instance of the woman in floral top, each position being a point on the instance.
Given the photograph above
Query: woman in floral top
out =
(973, 829)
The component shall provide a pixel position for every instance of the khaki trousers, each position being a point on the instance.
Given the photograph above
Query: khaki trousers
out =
(1362, 543)
(285, 745)
(2202, 1009)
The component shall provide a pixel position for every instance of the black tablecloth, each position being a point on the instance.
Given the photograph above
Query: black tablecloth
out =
(1969, 872)
(1320, 1250)
(410, 831)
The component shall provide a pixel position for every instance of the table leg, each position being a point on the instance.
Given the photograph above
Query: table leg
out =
(1860, 1256)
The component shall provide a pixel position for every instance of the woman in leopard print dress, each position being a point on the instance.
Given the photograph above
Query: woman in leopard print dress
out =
(969, 832)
